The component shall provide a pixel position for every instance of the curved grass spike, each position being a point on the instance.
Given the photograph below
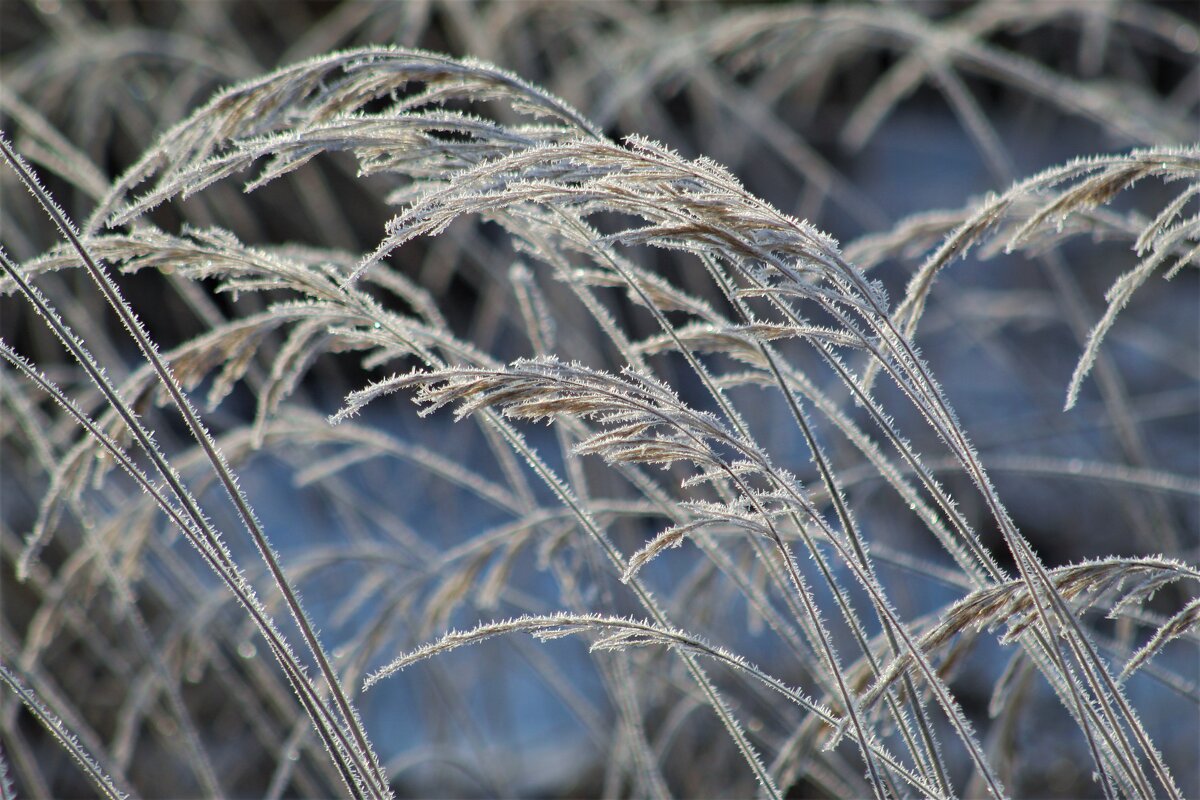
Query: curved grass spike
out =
(367, 775)
(627, 633)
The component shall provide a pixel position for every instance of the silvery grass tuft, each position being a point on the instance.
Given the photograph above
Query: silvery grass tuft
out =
(664, 450)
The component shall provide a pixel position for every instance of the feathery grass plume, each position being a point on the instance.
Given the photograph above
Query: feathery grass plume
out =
(784, 478)
(1038, 208)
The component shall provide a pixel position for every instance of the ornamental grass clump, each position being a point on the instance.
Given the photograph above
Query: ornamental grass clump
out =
(620, 400)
